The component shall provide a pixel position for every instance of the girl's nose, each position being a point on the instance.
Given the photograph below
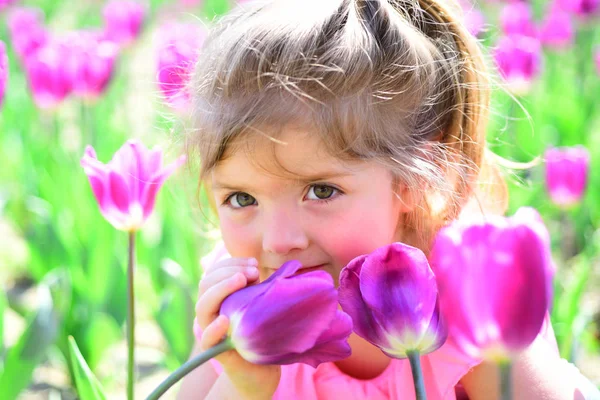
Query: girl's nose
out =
(283, 233)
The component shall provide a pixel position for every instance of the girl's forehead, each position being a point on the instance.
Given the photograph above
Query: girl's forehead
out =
(290, 152)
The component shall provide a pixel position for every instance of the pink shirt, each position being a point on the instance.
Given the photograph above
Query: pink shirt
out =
(442, 370)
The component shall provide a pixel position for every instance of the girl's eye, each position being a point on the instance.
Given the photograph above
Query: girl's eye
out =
(321, 192)
(240, 200)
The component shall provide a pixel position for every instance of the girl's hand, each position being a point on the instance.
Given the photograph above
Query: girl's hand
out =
(225, 277)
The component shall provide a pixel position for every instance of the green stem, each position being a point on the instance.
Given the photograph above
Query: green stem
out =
(189, 366)
(130, 318)
(415, 367)
(506, 381)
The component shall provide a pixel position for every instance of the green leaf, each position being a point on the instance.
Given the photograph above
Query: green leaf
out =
(88, 386)
(101, 332)
(26, 354)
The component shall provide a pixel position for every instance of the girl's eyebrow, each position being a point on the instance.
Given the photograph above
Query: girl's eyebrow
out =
(303, 179)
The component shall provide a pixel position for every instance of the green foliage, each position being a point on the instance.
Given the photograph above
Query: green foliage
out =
(88, 386)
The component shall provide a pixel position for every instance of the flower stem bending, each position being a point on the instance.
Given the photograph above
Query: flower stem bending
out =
(415, 367)
(189, 366)
(505, 381)
(130, 318)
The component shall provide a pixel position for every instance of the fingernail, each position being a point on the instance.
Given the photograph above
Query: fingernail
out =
(253, 261)
(251, 271)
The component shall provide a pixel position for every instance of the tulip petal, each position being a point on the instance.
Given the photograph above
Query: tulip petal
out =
(288, 323)
(399, 287)
(148, 197)
(352, 303)
(119, 191)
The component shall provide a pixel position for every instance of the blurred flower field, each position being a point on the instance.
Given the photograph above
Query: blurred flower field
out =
(99, 73)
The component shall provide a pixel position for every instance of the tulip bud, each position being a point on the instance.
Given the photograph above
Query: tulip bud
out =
(519, 60)
(391, 295)
(517, 19)
(47, 76)
(126, 187)
(289, 319)
(567, 171)
(495, 279)
(123, 21)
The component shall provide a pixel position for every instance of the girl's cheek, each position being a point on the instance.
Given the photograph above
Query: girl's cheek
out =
(239, 238)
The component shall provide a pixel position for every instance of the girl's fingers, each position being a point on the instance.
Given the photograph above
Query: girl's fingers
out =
(223, 273)
(209, 303)
(231, 262)
(214, 332)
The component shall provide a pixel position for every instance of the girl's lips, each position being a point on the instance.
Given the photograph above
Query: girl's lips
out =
(309, 269)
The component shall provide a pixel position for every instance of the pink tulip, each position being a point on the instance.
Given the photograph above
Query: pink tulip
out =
(3, 71)
(126, 187)
(517, 19)
(6, 3)
(495, 280)
(27, 31)
(177, 53)
(519, 60)
(557, 29)
(90, 64)
(582, 8)
(474, 19)
(597, 56)
(47, 76)
(567, 171)
(123, 21)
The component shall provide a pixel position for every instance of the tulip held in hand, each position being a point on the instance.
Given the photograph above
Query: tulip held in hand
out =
(286, 319)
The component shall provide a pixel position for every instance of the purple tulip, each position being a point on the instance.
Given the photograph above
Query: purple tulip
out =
(90, 64)
(391, 295)
(177, 53)
(3, 71)
(289, 319)
(123, 21)
(47, 76)
(27, 31)
(557, 29)
(495, 279)
(517, 19)
(567, 171)
(519, 60)
(126, 187)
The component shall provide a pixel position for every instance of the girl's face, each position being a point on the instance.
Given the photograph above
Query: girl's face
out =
(294, 201)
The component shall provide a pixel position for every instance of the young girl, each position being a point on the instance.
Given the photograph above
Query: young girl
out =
(326, 129)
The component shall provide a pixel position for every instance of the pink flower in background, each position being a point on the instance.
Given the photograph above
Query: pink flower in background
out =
(90, 64)
(126, 187)
(123, 21)
(597, 57)
(495, 279)
(519, 59)
(391, 295)
(3, 71)
(473, 18)
(517, 19)
(178, 46)
(27, 31)
(47, 76)
(191, 3)
(582, 8)
(567, 170)
(557, 29)
(6, 3)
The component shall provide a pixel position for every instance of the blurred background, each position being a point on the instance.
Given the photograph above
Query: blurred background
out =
(74, 73)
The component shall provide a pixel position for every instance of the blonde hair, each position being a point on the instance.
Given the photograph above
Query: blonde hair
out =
(401, 82)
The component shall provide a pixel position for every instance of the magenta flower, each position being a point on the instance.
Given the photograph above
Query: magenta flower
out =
(126, 187)
(495, 279)
(27, 31)
(47, 76)
(123, 21)
(597, 59)
(90, 64)
(557, 29)
(519, 60)
(289, 319)
(582, 8)
(391, 295)
(517, 19)
(177, 53)
(6, 3)
(3, 71)
(567, 171)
